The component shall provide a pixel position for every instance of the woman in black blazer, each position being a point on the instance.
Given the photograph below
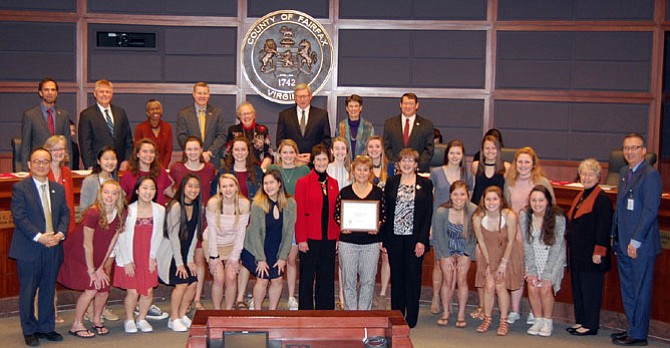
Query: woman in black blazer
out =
(590, 222)
(409, 202)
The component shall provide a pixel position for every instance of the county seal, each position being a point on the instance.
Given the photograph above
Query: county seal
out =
(283, 49)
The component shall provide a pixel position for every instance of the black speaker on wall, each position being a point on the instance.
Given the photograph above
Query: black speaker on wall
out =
(122, 39)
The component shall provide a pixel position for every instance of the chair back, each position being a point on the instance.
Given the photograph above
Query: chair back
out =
(17, 165)
(617, 161)
(507, 154)
(438, 155)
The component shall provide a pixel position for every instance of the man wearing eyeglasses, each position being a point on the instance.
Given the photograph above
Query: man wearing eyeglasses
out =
(305, 123)
(41, 218)
(636, 239)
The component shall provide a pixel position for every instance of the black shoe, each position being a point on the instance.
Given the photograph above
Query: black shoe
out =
(619, 335)
(50, 336)
(31, 340)
(584, 333)
(627, 341)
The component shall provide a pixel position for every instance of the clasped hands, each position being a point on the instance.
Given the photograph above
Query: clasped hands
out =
(50, 239)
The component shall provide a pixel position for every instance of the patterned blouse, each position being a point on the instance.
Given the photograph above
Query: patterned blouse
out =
(403, 221)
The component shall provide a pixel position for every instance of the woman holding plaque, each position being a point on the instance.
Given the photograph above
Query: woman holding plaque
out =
(316, 233)
(409, 209)
(359, 251)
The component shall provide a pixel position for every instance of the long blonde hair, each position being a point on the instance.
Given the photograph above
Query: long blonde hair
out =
(120, 204)
(236, 199)
(382, 157)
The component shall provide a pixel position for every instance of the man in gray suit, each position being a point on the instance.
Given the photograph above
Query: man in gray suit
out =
(44, 120)
(104, 124)
(192, 119)
(409, 130)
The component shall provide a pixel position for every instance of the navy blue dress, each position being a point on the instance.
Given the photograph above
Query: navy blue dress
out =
(273, 236)
(192, 278)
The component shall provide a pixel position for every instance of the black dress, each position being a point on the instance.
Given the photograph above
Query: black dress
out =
(192, 278)
(273, 236)
(482, 182)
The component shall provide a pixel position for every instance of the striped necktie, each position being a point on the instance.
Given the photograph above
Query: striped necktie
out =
(108, 120)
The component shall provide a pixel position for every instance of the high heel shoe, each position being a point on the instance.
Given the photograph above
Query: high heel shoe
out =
(484, 326)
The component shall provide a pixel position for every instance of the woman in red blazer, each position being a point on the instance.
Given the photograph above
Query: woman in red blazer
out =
(316, 233)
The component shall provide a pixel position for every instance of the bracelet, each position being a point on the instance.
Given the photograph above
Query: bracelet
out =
(213, 257)
(91, 272)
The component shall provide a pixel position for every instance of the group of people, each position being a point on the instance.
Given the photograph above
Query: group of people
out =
(227, 206)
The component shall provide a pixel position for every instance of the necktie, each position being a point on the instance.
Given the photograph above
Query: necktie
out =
(108, 120)
(49, 227)
(405, 132)
(50, 121)
(203, 120)
(302, 123)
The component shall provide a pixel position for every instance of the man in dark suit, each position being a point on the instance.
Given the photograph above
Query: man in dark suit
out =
(41, 218)
(44, 120)
(104, 124)
(305, 124)
(409, 130)
(636, 238)
(190, 123)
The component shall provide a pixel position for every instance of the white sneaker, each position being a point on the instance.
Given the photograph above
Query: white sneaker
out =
(292, 304)
(186, 321)
(177, 326)
(129, 326)
(250, 302)
(512, 317)
(531, 319)
(144, 326)
(535, 329)
(547, 328)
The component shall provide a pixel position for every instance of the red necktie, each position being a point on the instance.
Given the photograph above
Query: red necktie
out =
(405, 132)
(50, 121)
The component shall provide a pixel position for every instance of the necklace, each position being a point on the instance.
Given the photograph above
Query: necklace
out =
(324, 188)
(489, 164)
(287, 177)
(377, 166)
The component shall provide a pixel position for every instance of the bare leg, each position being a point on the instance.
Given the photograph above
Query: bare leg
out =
(99, 302)
(516, 299)
(462, 281)
(437, 286)
(535, 300)
(242, 281)
(129, 304)
(276, 286)
(217, 287)
(199, 258)
(489, 293)
(231, 285)
(260, 288)
(503, 298)
(292, 270)
(547, 298)
(386, 274)
(84, 300)
(145, 303)
(187, 299)
(176, 299)
(446, 288)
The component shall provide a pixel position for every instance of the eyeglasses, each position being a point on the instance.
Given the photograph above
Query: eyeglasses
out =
(632, 148)
(408, 160)
(588, 174)
(41, 162)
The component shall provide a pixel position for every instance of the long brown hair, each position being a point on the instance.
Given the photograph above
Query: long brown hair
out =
(251, 161)
(548, 228)
(481, 207)
(134, 162)
(382, 158)
(466, 208)
(499, 165)
(263, 200)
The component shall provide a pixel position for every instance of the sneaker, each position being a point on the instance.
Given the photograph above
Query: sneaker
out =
(547, 327)
(292, 304)
(251, 304)
(154, 313)
(535, 328)
(177, 326)
(531, 319)
(107, 314)
(512, 317)
(186, 321)
(144, 326)
(129, 326)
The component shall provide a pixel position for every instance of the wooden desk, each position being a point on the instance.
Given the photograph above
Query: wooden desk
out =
(319, 328)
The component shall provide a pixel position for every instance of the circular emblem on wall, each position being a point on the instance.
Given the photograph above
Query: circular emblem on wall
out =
(283, 49)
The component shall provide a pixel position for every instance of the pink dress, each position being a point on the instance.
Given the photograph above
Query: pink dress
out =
(143, 279)
(73, 272)
(496, 242)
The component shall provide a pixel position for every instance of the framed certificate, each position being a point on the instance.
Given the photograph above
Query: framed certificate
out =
(359, 216)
